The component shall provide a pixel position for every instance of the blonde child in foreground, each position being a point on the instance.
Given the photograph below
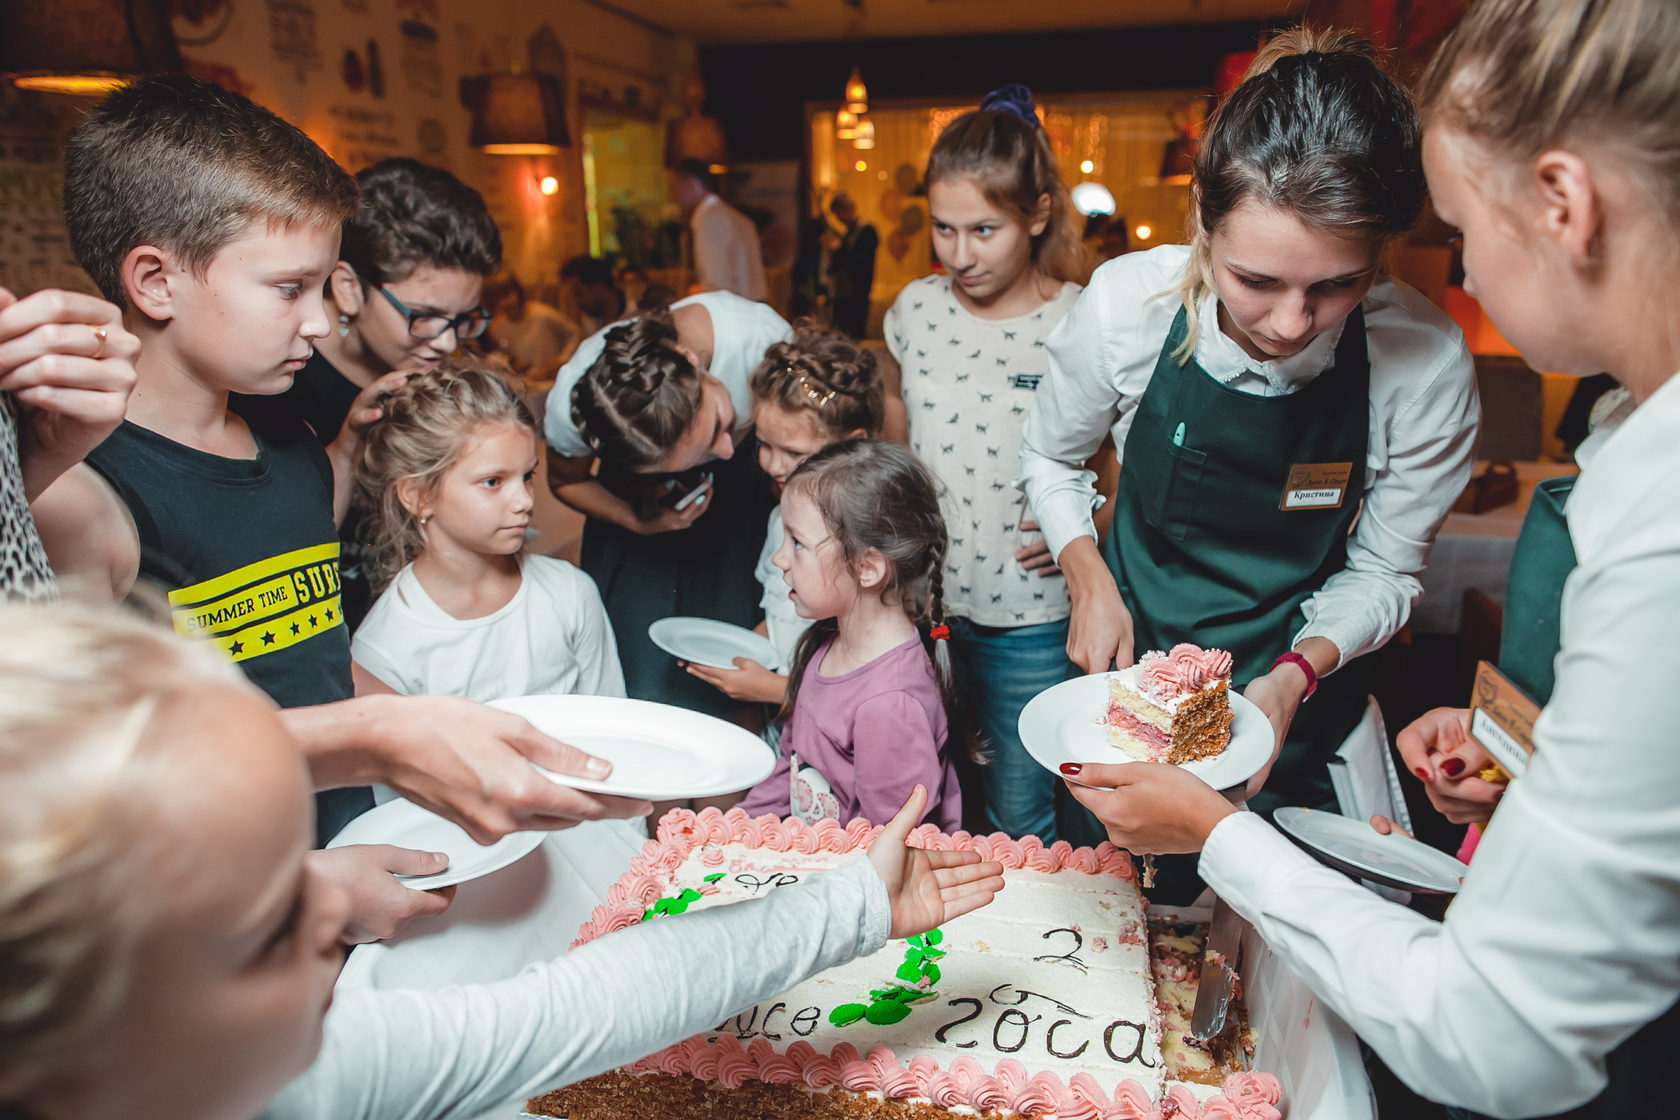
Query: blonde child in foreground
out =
(814, 391)
(446, 491)
(869, 712)
(140, 980)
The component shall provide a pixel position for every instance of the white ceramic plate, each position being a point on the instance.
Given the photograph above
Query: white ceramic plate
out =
(657, 751)
(1355, 847)
(1067, 723)
(407, 825)
(706, 641)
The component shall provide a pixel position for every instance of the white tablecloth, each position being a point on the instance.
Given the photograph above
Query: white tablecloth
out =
(1474, 550)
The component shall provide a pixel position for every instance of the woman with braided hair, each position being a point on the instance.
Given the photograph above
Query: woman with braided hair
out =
(872, 708)
(676, 511)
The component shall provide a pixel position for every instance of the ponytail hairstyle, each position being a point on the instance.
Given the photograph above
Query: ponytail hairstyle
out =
(1522, 76)
(826, 374)
(422, 431)
(875, 494)
(640, 396)
(1316, 129)
(1002, 149)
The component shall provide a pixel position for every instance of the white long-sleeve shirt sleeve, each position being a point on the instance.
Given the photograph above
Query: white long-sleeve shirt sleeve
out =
(1566, 937)
(1422, 425)
(411, 1055)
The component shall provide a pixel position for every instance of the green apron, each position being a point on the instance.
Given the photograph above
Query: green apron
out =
(1203, 552)
(1543, 559)
(1528, 647)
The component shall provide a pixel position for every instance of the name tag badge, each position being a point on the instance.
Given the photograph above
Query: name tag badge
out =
(1027, 381)
(1502, 719)
(1316, 486)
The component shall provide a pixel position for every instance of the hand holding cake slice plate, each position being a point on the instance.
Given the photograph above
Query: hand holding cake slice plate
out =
(1173, 707)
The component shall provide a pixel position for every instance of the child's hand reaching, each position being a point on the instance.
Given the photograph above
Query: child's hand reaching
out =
(380, 905)
(928, 888)
(748, 681)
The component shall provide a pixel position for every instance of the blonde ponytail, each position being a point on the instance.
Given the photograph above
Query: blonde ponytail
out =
(1522, 76)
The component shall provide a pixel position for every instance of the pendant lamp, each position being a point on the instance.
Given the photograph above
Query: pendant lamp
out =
(857, 96)
(85, 46)
(516, 114)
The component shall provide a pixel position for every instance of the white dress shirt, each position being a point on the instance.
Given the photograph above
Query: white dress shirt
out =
(458, 1052)
(741, 332)
(1422, 425)
(727, 256)
(1566, 937)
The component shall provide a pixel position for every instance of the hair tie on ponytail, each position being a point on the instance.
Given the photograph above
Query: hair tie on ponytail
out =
(1015, 99)
(940, 633)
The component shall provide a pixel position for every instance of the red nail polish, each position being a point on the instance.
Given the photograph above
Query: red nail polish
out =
(1423, 775)
(1452, 767)
(1072, 767)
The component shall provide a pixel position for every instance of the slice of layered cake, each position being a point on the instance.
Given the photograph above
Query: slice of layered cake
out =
(1172, 707)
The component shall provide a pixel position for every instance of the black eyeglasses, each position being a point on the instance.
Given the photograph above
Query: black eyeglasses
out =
(427, 325)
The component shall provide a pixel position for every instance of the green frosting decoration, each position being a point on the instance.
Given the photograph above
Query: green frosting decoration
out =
(672, 905)
(891, 1004)
(886, 1012)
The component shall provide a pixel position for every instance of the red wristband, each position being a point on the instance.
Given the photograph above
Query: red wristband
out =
(1304, 665)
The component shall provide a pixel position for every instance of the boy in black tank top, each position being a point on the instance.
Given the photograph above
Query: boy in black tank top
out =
(214, 225)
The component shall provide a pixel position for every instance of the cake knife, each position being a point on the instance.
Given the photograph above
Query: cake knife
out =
(1219, 958)
(1219, 971)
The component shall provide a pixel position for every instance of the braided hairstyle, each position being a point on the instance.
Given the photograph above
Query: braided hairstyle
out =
(639, 397)
(825, 373)
(423, 429)
(875, 495)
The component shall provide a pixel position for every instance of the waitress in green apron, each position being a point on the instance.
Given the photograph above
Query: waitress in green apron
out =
(649, 430)
(1294, 424)
(1552, 983)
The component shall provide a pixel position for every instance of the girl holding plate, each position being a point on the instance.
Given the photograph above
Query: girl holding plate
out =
(1293, 424)
(1553, 143)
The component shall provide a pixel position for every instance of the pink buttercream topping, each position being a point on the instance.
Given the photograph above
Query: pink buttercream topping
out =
(1184, 669)
(1163, 678)
(712, 856)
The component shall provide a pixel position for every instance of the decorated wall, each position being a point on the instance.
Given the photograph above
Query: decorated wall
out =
(370, 79)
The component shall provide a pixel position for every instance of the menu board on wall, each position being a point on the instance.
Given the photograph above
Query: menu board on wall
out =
(34, 247)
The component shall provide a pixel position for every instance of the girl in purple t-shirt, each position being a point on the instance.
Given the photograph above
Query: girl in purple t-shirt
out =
(871, 705)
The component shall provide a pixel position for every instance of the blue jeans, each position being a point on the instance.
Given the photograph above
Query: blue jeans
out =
(1002, 668)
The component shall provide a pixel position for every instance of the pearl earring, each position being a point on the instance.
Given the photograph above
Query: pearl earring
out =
(423, 521)
(343, 325)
